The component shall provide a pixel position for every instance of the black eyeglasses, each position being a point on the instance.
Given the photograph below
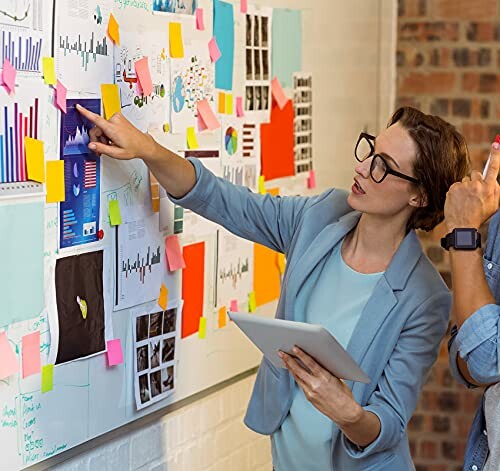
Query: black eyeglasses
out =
(379, 168)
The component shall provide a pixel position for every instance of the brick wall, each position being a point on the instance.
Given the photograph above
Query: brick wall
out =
(448, 57)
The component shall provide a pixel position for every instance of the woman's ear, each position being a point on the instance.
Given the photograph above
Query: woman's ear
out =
(419, 200)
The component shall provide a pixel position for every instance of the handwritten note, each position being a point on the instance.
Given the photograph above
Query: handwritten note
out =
(252, 304)
(176, 43)
(222, 317)
(214, 50)
(239, 107)
(9, 364)
(49, 70)
(200, 23)
(114, 352)
(61, 96)
(30, 349)
(144, 76)
(35, 159)
(173, 250)
(113, 29)
(115, 216)
(192, 140)
(163, 298)
(207, 116)
(9, 76)
(110, 99)
(278, 93)
(47, 378)
(54, 172)
(202, 328)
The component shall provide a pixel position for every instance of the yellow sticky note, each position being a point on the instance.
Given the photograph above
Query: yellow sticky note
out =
(192, 141)
(202, 328)
(222, 103)
(35, 159)
(281, 262)
(113, 29)
(252, 304)
(54, 172)
(222, 317)
(262, 188)
(47, 378)
(163, 298)
(110, 99)
(176, 44)
(229, 103)
(49, 70)
(115, 216)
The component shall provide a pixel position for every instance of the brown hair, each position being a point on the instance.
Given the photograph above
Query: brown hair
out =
(442, 159)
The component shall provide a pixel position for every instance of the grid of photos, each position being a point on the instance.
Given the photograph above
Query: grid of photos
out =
(258, 62)
(155, 336)
(302, 103)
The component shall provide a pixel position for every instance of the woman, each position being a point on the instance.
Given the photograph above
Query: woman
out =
(354, 264)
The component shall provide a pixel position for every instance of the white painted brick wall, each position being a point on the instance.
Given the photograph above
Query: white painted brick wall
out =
(208, 435)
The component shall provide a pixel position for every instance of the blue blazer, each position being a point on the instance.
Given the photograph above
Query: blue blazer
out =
(396, 340)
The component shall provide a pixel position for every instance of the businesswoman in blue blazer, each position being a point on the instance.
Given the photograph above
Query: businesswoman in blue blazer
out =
(354, 265)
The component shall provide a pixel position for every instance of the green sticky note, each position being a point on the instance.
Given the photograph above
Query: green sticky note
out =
(47, 378)
(202, 328)
(252, 304)
(115, 216)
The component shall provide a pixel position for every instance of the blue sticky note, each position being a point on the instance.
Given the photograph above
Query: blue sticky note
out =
(224, 35)
(286, 57)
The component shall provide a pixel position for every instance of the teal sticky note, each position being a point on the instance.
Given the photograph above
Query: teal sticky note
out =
(224, 35)
(21, 252)
(286, 57)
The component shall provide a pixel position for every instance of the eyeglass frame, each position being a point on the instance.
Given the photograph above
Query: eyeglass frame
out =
(388, 170)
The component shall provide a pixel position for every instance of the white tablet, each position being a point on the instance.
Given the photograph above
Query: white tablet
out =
(272, 335)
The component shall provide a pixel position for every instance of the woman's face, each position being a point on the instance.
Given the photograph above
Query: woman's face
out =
(394, 196)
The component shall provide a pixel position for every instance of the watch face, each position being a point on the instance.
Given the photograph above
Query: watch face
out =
(465, 238)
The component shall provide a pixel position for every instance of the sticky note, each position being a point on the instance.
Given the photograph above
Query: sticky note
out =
(222, 103)
(281, 262)
(222, 317)
(200, 23)
(49, 70)
(9, 364)
(61, 96)
(223, 27)
(115, 216)
(9, 76)
(35, 159)
(213, 49)
(207, 116)
(252, 304)
(30, 351)
(311, 180)
(173, 250)
(192, 141)
(144, 76)
(176, 44)
(202, 328)
(229, 103)
(243, 6)
(278, 93)
(113, 29)
(47, 378)
(110, 99)
(239, 107)
(262, 188)
(234, 305)
(54, 177)
(163, 298)
(114, 352)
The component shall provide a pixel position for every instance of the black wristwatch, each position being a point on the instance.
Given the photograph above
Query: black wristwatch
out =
(462, 239)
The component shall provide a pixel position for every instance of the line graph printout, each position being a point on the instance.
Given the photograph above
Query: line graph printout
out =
(84, 52)
(22, 13)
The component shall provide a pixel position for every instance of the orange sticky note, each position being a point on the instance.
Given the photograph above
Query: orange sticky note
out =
(61, 96)
(176, 43)
(9, 76)
(239, 107)
(163, 298)
(281, 262)
(35, 159)
(114, 352)
(173, 250)
(9, 364)
(222, 103)
(311, 180)
(31, 354)
(202, 328)
(222, 317)
(113, 29)
(213, 49)
(54, 171)
(207, 116)
(144, 75)
(278, 93)
(200, 23)
(110, 99)
(229, 103)
(47, 378)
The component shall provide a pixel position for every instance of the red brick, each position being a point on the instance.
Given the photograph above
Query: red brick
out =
(427, 83)
(412, 8)
(464, 9)
(475, 133)
(470, 82)
(428, 449)
(428, 31)
(498, 109)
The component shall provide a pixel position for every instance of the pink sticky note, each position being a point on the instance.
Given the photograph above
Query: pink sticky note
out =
(207, 115)
(278, 93)
(174, 253)
(31, 354)
(115, 352)
(144, 75)
(201, 124)
(239, 107)
(200, 23)
(214, 50)
(243, 6)
(311, 180)
(8, 365)
(61, 96)
(9, 76)
(234, 305)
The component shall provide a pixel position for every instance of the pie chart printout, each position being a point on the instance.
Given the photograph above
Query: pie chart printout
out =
(231, 140)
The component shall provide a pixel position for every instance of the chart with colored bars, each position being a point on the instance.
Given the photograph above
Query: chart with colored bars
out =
(231, 140)
(87, 50)
(141, 265)
(22, 50)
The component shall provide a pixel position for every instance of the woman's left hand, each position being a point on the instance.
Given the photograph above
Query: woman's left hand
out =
(329, 394)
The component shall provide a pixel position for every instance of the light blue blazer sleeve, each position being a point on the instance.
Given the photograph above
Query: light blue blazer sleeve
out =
(268, 220)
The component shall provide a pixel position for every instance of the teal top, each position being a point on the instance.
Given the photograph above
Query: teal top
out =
(304, 441)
